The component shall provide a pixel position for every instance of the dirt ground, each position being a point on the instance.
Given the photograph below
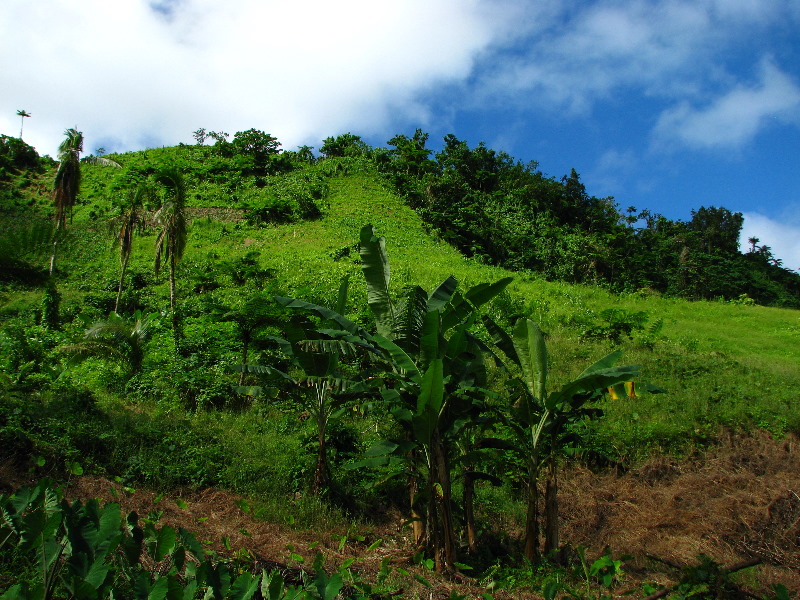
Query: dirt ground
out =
(738, 501)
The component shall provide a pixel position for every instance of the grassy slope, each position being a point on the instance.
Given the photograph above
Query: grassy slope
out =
(721, 363)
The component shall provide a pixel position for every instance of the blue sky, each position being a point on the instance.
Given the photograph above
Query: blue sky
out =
(665, 105)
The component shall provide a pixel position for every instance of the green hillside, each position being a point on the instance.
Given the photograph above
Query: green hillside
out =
(262, 224)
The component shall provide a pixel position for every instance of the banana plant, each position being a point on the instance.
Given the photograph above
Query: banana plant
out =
(539, 419)
(439, 380)
(430, 372)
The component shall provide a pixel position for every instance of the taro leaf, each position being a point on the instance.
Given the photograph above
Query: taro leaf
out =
(243, 588)
(162, 543)
(328, 587)
(191, 544)
(271, 585)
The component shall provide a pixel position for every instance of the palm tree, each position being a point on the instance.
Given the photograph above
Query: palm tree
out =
(68, 179)
(131, 220)
(22, 114)
(68, 176)
(171, 240)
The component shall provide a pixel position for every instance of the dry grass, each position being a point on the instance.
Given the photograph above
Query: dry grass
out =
(738, 501)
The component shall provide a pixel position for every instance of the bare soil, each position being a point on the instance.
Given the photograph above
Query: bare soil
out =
(736, 502)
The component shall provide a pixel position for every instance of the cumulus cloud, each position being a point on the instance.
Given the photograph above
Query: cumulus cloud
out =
(735, 117)
(783, 237)
(145, 72)
(575, 58)
(133, 70)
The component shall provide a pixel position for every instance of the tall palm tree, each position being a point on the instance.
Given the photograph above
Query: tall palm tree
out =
(68, 179)
(22, 114)
(131, 220)
(68, 176)
(171, 240)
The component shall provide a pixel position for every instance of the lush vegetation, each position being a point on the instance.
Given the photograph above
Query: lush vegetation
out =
(373, 327)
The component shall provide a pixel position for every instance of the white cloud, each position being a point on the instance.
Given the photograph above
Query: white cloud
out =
(736, 117)
(300, 70)
(783, 237)
(129, 74)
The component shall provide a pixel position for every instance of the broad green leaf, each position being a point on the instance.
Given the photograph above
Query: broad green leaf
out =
(271, 585)
(110, 518)
(163, 544)
(325, 313)
(439, 297)
(16, 592)
(429, 342)
(243, 588)
(483, 293)
(454, 312)
(382, 448)
(606, 362)
(530, 347)
(341, 297)
(191, 544)
(375, 266)
(593, 382)
(431, 395)
(409, 319)
(328, 587)
(159, 589)
(501, 339)
(97, 572)
(401, 360)
(189, 590)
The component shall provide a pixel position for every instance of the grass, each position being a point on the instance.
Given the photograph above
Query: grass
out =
(723, 364)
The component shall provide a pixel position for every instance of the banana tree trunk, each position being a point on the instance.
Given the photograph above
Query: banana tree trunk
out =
(551, 529)
(441, 501)
(321, 471)
(53, 257)
(532, 518)
(469, 509)
(245, 350)
(417, 520)
(321, 479)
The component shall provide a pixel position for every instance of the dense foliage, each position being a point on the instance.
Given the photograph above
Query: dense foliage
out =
(504, 212)
(247, 364)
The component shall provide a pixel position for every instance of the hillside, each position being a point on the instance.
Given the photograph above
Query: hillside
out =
(180, 420)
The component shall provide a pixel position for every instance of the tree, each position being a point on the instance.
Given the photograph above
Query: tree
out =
(22, 114)
(68, 179)
(171, 240)
(200, 136)
(68, 176)
(346, 144)
(130, 220)
(717, 229)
